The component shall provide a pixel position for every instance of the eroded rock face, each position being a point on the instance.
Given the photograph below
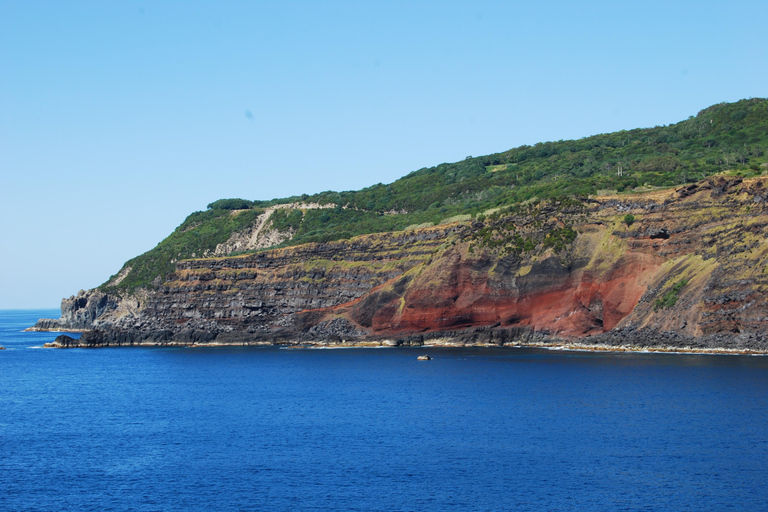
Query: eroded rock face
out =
(552, 295)
(80, 312)
(94, 309)
(609, 284)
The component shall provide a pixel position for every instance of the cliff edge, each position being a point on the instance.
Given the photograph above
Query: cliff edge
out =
(680, 268)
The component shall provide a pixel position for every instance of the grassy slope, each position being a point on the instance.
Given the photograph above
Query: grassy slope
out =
(724, 136)
(200, 231)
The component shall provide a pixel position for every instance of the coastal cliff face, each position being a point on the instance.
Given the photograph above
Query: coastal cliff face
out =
(690, 271)
(81, 312)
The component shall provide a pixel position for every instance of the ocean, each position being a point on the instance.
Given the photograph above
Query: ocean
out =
(272, 429)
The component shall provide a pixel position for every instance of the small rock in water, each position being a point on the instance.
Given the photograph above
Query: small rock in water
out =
(424, 358)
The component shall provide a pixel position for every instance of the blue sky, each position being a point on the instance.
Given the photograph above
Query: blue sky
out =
(118, 119)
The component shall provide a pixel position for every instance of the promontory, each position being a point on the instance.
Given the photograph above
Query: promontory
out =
(644, 239)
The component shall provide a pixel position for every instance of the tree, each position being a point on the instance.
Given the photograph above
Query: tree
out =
(629, 219)
(231, 204)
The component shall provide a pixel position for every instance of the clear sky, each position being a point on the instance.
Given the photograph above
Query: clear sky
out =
(118, 119)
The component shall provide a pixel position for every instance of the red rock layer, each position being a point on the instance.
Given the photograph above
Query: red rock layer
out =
(458, 291)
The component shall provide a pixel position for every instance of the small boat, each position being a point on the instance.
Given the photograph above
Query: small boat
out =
(424, 358)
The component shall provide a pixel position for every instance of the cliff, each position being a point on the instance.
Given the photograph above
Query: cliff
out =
(727, 137)
(678, 268)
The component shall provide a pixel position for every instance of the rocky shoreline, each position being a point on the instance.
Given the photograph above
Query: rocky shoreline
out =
(565, 346)
(644, 342)
(54, 329)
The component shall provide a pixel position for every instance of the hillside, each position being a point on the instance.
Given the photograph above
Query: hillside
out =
(727, 136)
(648, 239)
(681, 269)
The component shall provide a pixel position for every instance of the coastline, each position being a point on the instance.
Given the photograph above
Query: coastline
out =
(564, 345)
(639, 349)
(58, 329)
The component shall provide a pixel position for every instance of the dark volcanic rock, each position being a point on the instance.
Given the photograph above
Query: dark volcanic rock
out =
(655, 232)
(611, 286)
(80, 311)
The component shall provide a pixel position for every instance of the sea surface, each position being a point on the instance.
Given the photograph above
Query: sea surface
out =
(231, 429)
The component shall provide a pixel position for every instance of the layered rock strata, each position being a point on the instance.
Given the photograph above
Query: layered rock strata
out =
(689, 272)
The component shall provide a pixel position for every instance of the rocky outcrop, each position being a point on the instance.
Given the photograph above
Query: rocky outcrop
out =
(92, 309)
(689, 272)
(262, 234)
(80, 312)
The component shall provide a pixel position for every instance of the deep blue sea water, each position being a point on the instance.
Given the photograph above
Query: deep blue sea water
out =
(225, 429)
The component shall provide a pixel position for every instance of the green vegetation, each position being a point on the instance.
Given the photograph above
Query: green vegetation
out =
(200, 232)
(726, 136)
(560, 238)
(231, 204)
(285, 219)
(629, 219)
(524, 227)
(669, 299)
(722, 137)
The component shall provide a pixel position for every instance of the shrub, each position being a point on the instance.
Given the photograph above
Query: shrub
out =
(669, 299)
(284, 219)
(231, 204)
